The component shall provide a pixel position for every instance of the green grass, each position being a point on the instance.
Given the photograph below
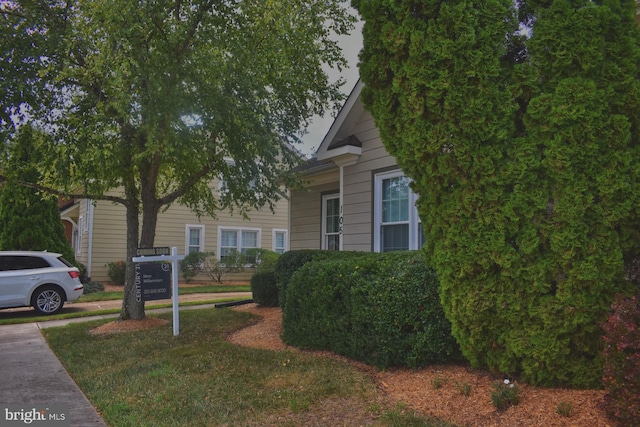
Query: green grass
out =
(105, 296)
(30, 316)
(151, 378)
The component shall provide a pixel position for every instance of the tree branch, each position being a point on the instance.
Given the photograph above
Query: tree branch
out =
(55, 192)
(179, 51)
(180, 191)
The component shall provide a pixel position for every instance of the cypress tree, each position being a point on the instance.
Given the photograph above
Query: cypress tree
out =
(29, 221)
(518, 126)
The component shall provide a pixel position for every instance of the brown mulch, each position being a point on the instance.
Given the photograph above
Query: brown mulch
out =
(538, 406)
(128, 325)
(416, 388)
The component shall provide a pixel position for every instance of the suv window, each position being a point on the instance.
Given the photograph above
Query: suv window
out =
(22, 262)
(65, 262)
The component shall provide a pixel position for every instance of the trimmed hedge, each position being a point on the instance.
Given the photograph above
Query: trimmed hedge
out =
(291, 261)
(264, 289)
(382, 309)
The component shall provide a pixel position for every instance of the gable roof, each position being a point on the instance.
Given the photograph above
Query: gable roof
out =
(339, 138)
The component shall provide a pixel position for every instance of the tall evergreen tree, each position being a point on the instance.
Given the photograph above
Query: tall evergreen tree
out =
(29, 221)
(518, 125)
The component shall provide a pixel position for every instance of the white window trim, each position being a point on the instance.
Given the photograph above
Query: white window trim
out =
(188, 227)
(414, 218)
(88, 207)
(286, 238)
(323, 219)
(222, 228)
(77, 235)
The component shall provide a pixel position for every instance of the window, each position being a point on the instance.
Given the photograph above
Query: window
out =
(396, 223)
(331, 229)
(22, 262)
(239, 239)
(194, 239)
(77, 236)
(280, 241)
(88, 207)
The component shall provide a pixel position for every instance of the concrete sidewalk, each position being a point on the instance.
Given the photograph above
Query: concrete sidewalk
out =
(31, 375)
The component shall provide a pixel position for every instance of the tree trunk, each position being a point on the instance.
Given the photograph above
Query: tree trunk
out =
(132, 303)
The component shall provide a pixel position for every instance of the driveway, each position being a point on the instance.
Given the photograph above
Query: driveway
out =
(34, 379)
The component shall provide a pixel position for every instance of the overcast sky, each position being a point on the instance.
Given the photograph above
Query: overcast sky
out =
(351, 46)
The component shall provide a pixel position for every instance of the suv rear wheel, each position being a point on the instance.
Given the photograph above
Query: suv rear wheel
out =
(48, 299)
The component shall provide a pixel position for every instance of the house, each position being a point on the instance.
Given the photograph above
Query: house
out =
(97, 232)
(356, 198)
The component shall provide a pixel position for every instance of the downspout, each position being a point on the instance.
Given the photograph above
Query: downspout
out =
(341, 223)
(90, 242)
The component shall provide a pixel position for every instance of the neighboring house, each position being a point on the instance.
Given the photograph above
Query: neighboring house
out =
(97, 232)
(356, 198)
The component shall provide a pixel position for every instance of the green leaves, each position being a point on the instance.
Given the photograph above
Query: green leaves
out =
(382, 309)
(522, 147)
(167, 90)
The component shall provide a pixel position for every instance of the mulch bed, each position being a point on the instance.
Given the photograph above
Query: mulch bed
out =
(434, 391)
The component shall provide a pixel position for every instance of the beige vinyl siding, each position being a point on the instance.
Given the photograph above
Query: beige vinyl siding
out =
(358, 186)
(109, 238)
(81, 256)
(306, 214)
(109, 232)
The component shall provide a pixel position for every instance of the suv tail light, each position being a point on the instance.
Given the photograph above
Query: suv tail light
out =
(74, 274)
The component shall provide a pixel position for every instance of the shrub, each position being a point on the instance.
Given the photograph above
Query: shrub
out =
(289, 262)
(437, 382)
(264, 289)
(621, 378)
(381, 309)
(527, 171)
(91, 287)
(463, 388)
(565, 409)
(261, 259)
(83, 272)
(191, 265)
(505, 394)
(117, 271)
(215, 269)
(206, 263)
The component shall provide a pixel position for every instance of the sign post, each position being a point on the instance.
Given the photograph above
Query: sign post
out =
(173, 258)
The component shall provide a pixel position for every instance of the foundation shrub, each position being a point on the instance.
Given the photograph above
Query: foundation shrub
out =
(261, 260)
(289, 262)
(621, 377)
(264, 289)
(381, 309)
(191, 265)
(91, 287)
(116, 271)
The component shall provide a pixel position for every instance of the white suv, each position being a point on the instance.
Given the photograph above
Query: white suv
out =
(43, 280)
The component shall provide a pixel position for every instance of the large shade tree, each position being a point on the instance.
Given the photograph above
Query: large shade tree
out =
(147, 102)
(518, 123)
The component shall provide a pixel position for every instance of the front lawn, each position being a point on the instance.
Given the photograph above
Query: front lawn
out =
(151, 378)
(186, 290)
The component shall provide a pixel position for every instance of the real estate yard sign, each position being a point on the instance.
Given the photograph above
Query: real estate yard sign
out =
(173, 273)
(154, 280)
